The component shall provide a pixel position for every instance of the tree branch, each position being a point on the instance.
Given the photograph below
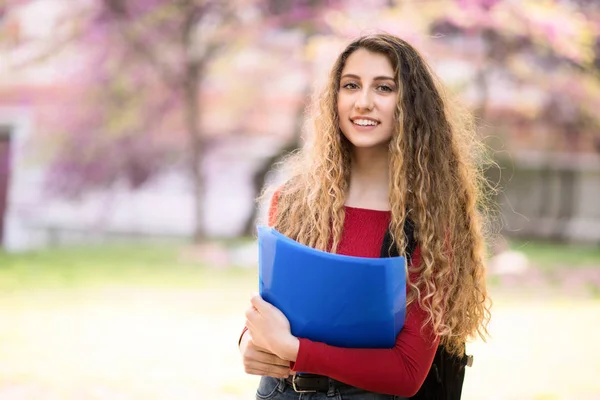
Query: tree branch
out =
(137, 45)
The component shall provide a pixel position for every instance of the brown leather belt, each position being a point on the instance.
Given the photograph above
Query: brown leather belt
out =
(311, 383)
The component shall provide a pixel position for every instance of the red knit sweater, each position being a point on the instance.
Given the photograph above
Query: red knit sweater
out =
(400, 370)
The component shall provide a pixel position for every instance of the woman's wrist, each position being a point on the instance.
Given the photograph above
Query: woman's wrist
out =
(290, 349)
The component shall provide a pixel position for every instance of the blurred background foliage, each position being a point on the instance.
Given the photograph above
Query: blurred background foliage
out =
(123, 91)
(130, 129)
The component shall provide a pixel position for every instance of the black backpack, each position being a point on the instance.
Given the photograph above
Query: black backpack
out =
(447, 373)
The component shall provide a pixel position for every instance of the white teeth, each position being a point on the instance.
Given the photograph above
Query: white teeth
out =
(364, 122)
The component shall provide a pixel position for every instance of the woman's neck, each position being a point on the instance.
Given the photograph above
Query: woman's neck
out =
(369, 178)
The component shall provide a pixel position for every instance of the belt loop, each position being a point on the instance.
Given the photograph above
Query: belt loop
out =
(281, 386)
(331, 390)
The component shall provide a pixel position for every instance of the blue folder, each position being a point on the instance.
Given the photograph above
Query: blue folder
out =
(340, 300)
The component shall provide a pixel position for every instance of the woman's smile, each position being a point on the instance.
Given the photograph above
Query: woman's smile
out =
(367, 100)
(364, 123)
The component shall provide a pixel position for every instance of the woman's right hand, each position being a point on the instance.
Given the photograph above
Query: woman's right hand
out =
(258, 361)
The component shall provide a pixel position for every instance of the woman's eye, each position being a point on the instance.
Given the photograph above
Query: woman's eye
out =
(350, 85)
(385, 88)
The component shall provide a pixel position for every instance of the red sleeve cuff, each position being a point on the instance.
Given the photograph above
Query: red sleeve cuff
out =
(302, 359)
(242, 335)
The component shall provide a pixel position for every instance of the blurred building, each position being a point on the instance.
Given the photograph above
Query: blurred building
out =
(546, 147)
(549, 173)
(164, 207)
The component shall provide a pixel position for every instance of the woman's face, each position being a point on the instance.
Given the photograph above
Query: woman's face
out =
(367, 99)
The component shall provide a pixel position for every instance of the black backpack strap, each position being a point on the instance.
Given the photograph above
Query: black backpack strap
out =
(446, 375)
(445, 378)
(389, 249)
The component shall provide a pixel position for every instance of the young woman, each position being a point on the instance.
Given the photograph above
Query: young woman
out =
(388, 150)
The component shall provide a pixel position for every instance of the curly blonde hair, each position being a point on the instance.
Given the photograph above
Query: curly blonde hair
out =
(436, 181)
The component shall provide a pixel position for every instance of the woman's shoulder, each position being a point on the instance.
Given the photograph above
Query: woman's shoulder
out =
(273, 206)
(277, 193)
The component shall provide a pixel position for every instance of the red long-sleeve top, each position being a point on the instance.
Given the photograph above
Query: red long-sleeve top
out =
(400, 370)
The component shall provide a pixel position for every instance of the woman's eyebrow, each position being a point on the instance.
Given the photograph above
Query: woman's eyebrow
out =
(377, 78)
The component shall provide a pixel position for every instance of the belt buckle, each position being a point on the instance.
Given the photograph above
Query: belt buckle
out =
(469, 361)
(299, 390)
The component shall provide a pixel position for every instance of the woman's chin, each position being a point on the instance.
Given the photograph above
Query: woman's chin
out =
(369, 143)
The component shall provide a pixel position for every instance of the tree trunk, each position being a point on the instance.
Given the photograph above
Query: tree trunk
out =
(192, 102)
(5, 172)
(481, 82)
(260, 176)
(481, 78)
(259, 181)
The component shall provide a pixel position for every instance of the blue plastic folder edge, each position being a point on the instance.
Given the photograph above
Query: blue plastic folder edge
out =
(340, 300)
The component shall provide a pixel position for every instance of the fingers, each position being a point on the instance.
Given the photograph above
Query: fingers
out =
(259, 362)
(257, 368)
(252, 315)
(262, 349)
(269, 358)
(253, 352)
(258, 303)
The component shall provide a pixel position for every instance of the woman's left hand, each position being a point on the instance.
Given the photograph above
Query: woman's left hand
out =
(270, 329)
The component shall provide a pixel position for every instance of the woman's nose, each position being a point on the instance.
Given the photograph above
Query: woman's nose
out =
(364, 100)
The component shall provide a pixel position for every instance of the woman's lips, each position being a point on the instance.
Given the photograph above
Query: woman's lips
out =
(364, 124)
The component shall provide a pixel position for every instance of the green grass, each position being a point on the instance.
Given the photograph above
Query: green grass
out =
(176, 265)
(551, 255)
(181, 341)
(137, 265)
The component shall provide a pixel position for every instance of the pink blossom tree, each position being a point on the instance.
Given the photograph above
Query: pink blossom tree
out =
(138, 81)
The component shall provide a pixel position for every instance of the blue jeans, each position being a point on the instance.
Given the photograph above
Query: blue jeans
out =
(273, 388)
